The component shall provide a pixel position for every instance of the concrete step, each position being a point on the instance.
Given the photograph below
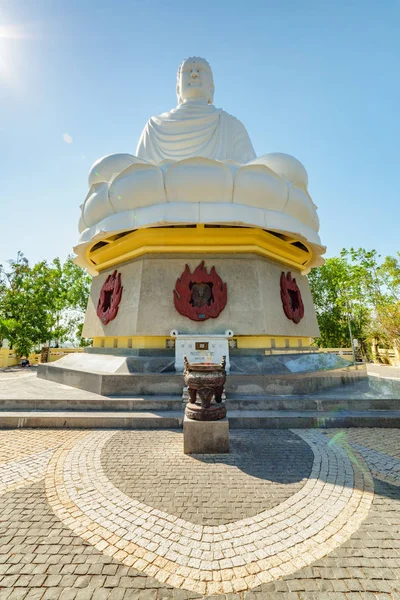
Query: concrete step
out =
(91, 420)
(170, 402)
(309, 403)
(115, 404)
(270, 419)
(240, 419)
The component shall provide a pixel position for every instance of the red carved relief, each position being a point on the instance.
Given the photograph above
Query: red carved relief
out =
(110, 297)
(291, 298)
(200, 295)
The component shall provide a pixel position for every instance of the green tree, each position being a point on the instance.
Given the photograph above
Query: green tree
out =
(42, 302)
(379, 285)
(71, 287)
(25, 303)
(338, 302)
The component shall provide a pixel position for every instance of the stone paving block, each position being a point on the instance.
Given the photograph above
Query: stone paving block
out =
(109, 569)
(18, 594)
(166, 594)
(339, 585)
(116, 594)
(52, 593)
(68, 594)
(84, 594)
(148, 595)
(35, 593)
(100, 594)
(97, 581)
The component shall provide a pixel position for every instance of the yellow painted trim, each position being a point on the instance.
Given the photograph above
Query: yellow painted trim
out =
(243, 341)
(199, 240)
(149, 341)
(8, 358)
(265, 341)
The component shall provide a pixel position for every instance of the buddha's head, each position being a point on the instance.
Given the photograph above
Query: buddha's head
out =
(195, 81)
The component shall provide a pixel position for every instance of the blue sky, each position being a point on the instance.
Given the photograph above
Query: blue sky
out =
(313, 79)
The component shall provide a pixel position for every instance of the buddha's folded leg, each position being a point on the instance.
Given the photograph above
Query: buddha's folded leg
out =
(108, 167)
(286, 166)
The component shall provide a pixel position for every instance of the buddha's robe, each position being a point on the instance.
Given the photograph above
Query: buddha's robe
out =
(195, 130)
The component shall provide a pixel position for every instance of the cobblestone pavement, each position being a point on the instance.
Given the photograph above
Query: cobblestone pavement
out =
(299, 514)
(212, 489)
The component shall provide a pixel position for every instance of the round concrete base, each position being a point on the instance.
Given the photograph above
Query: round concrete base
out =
(253, 308)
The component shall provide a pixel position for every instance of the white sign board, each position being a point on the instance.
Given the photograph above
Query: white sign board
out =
(201, 348)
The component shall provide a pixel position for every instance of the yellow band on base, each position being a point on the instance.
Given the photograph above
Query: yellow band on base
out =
(199, 239)
(242, 341)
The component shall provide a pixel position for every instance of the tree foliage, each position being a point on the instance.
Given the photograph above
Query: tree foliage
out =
(42, 302)
(336, 304)
(361, 289)
(378, 284)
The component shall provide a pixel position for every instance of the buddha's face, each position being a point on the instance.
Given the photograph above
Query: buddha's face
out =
(195, 81)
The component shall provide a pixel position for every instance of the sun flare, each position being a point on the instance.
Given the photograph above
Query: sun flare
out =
(10, 52)
(13, 32)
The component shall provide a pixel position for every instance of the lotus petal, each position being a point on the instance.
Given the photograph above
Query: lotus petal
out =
(104, 169)
(97, 204)
(300, 207)
(199, 180)
(81, 225)
(258, 186)
(285, 166)
(138, 185)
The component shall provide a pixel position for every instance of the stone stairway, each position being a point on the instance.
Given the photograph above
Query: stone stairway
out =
(166, 412)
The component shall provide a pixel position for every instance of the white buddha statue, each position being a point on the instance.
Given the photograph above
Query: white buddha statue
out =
(196, 164)
(195, 127)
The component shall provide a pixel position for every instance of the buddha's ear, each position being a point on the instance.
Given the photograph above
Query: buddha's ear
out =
(178, 93)
(211, 97)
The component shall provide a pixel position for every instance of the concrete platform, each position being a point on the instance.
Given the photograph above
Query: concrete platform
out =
(28, 401)
(110, 375)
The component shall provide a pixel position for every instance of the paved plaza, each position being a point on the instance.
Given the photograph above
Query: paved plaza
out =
(118, 514)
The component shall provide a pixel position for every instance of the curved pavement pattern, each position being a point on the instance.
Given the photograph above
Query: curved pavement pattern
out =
(260, 472)
(299, 498)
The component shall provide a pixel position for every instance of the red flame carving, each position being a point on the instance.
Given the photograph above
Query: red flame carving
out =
(110, 297)
(291, 298)
(183, 299)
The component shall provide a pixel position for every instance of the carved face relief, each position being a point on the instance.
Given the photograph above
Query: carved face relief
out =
(292, 302)
(110, 297)
(200, 295)
(195, 81)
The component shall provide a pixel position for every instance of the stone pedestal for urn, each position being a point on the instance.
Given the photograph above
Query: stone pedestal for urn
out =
(205, 427)
(205, 437)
